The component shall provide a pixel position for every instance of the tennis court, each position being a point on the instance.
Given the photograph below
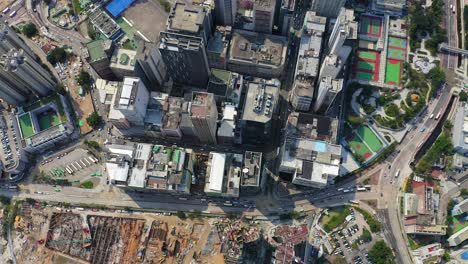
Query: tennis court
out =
(370, 138)
(393, 72)
(366, 65)
(116, 7)
(371, 26)
(26, 125)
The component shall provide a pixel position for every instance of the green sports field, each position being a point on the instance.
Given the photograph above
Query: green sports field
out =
(365, 25)
(365, 76)
(26, 125)
(396, 54)
(370, 138)
(376, 24)
(367, 55)
(397, 42)
(358, 146)
(392, 72)
(364, 65)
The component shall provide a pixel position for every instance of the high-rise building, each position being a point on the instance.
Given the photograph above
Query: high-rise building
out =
(261, 103)
(308, 62)
(328, 88)
(218, 47)
(329, 8)
(129, 104)
(151, 65)
(10, 40)
(204, 116)
(264, 13)
(226, 12)
(98, 54)
(183, 44)
(22, 77)
(286, 15)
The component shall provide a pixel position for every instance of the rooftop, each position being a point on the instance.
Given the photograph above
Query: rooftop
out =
(310, 126)
(103, 22)
(172, 112)
(258, 48)
(215, 172)
(460, 129)
(96, 50)
(202, 103)
(252, 169)
(186, 18)
(106, 90)
(261, 100)
(267, 5)
(123, 59)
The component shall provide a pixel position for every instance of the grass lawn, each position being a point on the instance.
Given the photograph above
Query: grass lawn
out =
(365, 76)
(364, 65)
(336, 216)
(26, 125)
(392, 72)
(371, 139)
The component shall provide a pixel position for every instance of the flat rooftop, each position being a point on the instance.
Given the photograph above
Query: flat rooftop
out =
(201, 104)
(186, 17)
(103, 22)
(96, 50)
(266, 5)
(123, 59)
(258, 48)
(252, 169)
(261, 100)
(303, 125)
(172, 113)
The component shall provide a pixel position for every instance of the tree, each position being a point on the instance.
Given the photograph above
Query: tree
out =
(181, 215)
(380, 253)
(463, 96)
(93, 119)
(392, 110)
(93, 144)
(57, 55)
(29, 30)
(84, 80)
(87, 185)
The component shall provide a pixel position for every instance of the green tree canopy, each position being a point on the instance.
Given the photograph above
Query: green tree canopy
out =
(29, 30)
(57, 55)
(93, 119)
(84, 80)
(380, 253)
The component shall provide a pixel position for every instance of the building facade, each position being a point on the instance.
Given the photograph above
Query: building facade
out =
(204, 116)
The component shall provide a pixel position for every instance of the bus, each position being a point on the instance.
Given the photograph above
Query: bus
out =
(68, 170)
(6, 10)
(87, 161)
(73, 167)
(93, 159)
(397, 174)
(368, 187)
(84, 165)
(12, 14)
(438, 115)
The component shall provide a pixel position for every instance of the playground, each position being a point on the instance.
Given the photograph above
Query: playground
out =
(363, 142)
(371, 26)
(396, 55)
(26, 126)
(459, 222)
(367, 65)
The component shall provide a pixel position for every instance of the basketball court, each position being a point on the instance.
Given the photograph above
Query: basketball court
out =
(367, 65)
(370, 138)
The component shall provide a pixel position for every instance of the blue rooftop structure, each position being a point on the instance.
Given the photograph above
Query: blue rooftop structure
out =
(116, 7)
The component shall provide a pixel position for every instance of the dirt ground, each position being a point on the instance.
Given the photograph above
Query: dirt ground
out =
(148, 17)
(83, 105)
(188, 239)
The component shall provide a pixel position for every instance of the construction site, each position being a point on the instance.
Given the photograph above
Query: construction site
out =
(100, 239)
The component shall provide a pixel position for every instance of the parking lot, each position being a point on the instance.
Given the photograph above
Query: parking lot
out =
(10, 141)
(349, 242)
(75, 166)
